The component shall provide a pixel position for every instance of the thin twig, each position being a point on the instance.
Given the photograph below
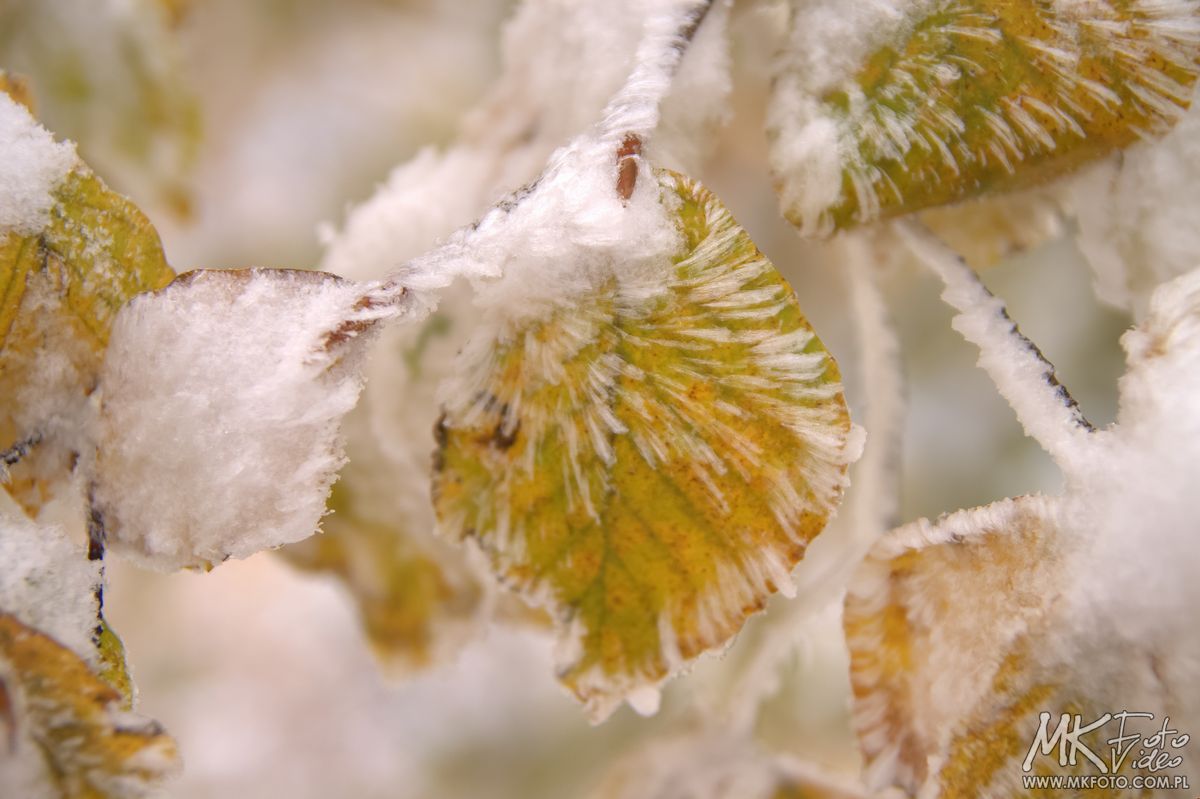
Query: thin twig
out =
(1021, 373)
(97, 535)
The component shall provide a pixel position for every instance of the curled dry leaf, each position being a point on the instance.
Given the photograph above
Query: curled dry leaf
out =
(69, 734)
(928, 103)
(649, 465)
(222, 395)
(966, 633)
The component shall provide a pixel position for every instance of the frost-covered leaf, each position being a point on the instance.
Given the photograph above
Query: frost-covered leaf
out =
(71, 253)
(71, 737)
(109, 75)
(66, 732)
(882, 108)
(963, 631)
(651, 462)
(550, 88)
(221, 399)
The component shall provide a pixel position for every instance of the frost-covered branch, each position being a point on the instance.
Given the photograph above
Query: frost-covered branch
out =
(633, 113)
(1021, 373)
(573, 205)
(634, 110)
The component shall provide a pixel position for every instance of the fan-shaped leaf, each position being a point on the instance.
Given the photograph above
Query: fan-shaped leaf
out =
(957, 98)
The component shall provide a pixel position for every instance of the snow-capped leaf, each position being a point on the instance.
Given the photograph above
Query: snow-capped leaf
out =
(885, 108)
(963, 631)
(63, 672)
(916, 639)
(51, 584)
(70, 736)
(221, 399)
(65, 270)
(650, 462)
(48, 583)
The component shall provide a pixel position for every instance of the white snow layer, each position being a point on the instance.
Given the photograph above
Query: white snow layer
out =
(1135, 497)
(48, 583)
(221, 398)
(1137, 215)
(32, 164)
(571, 232)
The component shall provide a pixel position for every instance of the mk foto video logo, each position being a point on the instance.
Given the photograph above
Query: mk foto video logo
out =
(1152, 757)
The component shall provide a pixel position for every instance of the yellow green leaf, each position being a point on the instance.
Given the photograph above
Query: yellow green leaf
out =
(958, 99)
(650, 468)
(59, 291)
(72, 726)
